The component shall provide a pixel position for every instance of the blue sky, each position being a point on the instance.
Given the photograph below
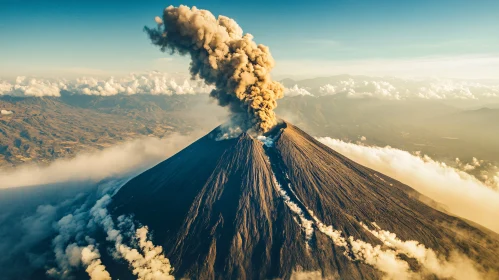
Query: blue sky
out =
(64, 38)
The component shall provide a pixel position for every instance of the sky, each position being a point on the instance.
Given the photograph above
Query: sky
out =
(445, 38)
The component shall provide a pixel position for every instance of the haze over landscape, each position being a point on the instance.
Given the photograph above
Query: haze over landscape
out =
(258, 140)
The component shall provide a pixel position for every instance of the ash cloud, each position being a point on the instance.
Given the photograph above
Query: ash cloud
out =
(463, 194)
(225, 57)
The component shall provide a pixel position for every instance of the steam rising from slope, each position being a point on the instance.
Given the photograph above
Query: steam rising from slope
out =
(91, 258)
(463, 194)
(76, 228)
(149, 262)
(305, 223)
(224, 57)
(386, 261)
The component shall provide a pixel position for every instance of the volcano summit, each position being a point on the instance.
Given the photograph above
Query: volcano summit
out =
(283, 206)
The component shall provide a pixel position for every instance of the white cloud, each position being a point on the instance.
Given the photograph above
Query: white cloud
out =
(158, 83)
(152, 83)
(149, 262)
(469, 166)
(457, 266)
(360, 88)
(158, 20)
(296, 91)
(155, 83)
(32, 87)
(6, 112)
(398, 89)
(74, 246)
(305, 223)
(91, 258)
(463, 194)
(387, 260)
(5, 87)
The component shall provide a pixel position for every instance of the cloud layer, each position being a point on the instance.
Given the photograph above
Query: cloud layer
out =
(158, 83)
(121, 159)
(463, 194)
(398, 89)
(155, 83)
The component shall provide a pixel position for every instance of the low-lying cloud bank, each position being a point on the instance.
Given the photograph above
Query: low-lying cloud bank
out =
(463, 194)
(399, 89)
(132, 156)
(160, 83)
(155, 83)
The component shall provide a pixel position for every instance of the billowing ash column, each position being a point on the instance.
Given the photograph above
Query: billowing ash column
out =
(225, 57)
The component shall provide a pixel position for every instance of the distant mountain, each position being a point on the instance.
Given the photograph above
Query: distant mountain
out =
(73, 122)
(430, 126)
(243, 209)
(43, 129)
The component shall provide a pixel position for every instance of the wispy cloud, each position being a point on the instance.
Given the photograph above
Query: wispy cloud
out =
(117, 160)
(463, 194)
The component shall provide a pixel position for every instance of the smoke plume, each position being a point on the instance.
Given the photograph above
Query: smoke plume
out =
(225, 57)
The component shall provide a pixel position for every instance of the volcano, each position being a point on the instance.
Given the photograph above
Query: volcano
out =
(283, 205)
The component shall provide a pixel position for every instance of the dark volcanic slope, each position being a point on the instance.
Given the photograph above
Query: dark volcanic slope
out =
(215, 208)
